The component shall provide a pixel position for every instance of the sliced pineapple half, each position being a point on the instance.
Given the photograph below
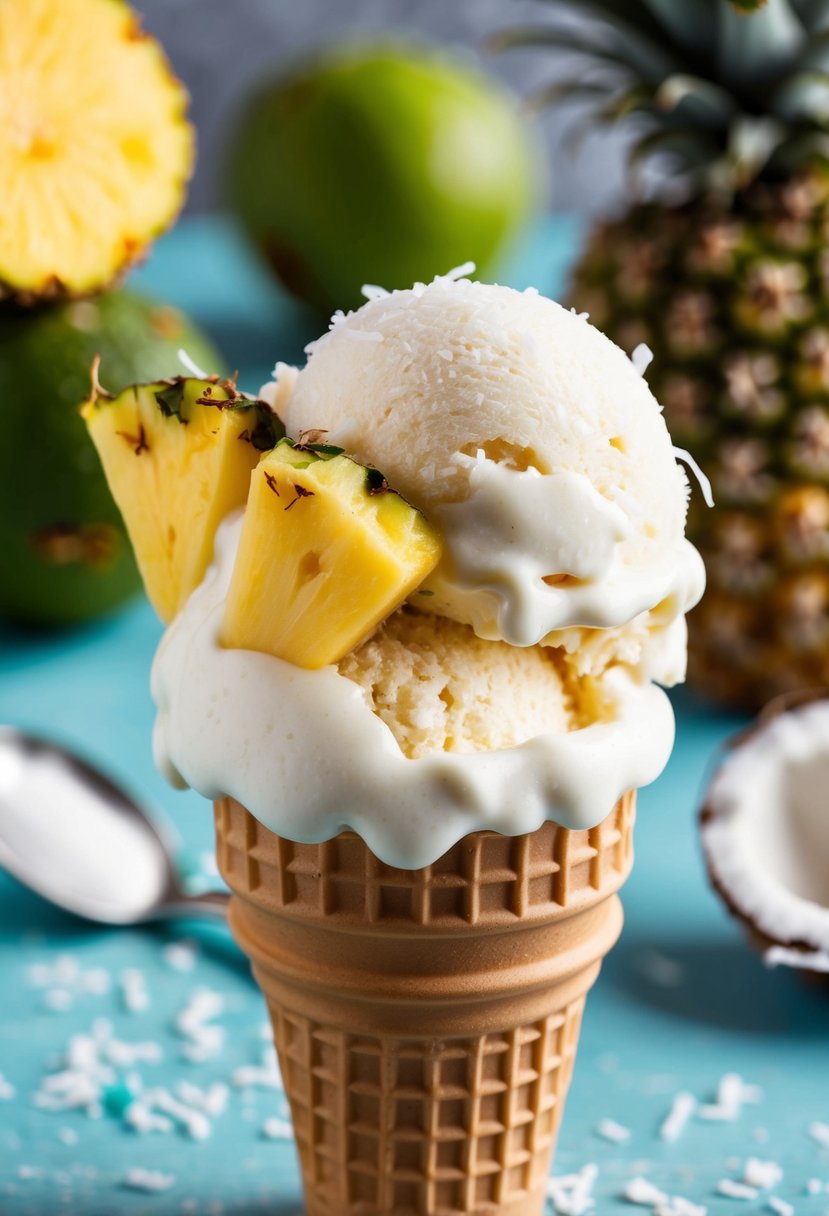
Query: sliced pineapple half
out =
(95, 147)
(178, 456)
(328, 550)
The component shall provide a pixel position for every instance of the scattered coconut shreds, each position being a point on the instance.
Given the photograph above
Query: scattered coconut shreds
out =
(457, 272)
(277, 1129)
(58, 1000)
(7, 1090)
(180, 956)
(27, 1173)
(609, 1129)
(371, 291)
(67, 1135)
(732, 1094)
(643, 1192)
(807, 960)
(762, 1174)
(780, 1206)
(363, 335)
(134, 995)
(682, 1108)
(203, 1038)
(702, 480)
(815, 1187)
(572, 1194)
(89, 1070)
(736, 1190)
(819, 1132)
(259, 1076)
(190, 365)
(138, 1179)
(212, 1101)
(641, 357)
(158, 1110)
(661, 970)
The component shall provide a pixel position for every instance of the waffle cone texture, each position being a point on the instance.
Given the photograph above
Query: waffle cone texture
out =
(426, 1020)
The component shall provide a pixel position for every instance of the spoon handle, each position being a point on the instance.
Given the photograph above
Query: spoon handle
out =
(207, 905)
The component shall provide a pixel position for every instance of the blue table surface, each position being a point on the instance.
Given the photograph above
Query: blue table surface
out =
(680, 1002)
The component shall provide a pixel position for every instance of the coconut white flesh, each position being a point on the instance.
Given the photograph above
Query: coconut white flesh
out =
(767, 838)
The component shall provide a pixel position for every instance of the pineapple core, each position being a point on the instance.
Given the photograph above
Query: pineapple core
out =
(178, 456)
(327, 551)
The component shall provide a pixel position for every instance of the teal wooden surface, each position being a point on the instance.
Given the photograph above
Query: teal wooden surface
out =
(680, 1002)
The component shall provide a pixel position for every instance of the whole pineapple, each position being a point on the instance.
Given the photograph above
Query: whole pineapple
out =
(728, 283)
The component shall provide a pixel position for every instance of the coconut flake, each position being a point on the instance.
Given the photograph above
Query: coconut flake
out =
(263, 1076)
(819, 1132)
(572, 1194)
(762, 1174)
(787, 956)
(180, 956)
(457, 272)
(703, 481)
(780, 1206)
(134, 993)
(139, 1179)
(641, 357)
(736, 1190)
(191, 366)
(371, 291)
(277, 1129)
(203, 1039)
(609, 1129)
(7, 1090)
(732, 1094)
(643, 1192)
(363, 335)
(682, 1108)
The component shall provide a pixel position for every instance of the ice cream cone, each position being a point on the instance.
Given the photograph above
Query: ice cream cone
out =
(426, 1020)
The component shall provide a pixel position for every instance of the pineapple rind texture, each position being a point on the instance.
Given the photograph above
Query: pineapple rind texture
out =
(95, 147)
(178, 456)
(734, 304)
(327, 552)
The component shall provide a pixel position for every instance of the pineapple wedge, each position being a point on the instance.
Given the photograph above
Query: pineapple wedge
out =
(178, 456)
(328, 551)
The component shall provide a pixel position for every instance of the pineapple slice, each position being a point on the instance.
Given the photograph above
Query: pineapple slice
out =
(178, 457)
(95, 147)
(328, 551)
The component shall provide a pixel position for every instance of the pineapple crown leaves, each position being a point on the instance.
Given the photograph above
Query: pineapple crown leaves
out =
(725, 90)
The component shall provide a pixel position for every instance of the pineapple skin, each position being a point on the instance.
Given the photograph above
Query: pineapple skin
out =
(734, 304)
(327, 552)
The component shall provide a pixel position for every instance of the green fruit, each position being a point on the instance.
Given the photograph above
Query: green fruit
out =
(64, 553)
(380, 165)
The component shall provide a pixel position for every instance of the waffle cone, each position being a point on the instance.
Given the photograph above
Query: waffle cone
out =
(426, 1020)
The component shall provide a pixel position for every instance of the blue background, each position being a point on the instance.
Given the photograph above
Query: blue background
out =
(641, 1042)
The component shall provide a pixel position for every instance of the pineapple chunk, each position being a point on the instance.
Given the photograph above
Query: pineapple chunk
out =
(327, 552)
(178, 456)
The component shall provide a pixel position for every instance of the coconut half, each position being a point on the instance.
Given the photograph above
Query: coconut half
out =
(765, 831)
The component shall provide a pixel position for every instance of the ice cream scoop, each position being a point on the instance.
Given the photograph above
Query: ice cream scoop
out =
(536, 447)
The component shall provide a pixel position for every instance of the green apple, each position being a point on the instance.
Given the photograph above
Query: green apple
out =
(381, 165)
(64, 553)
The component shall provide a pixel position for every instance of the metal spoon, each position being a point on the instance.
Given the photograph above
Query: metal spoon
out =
(78, 840)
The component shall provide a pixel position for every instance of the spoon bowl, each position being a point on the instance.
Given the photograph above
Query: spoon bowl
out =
(82, 842)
